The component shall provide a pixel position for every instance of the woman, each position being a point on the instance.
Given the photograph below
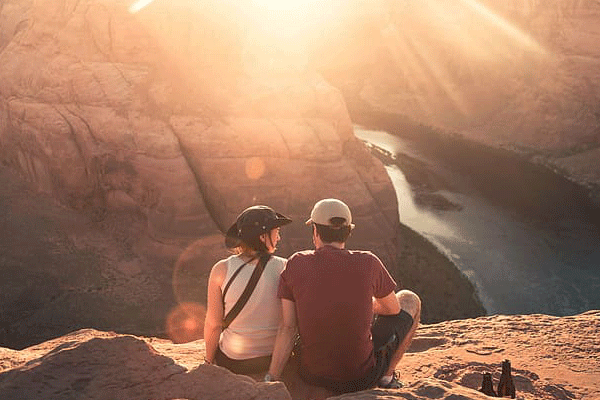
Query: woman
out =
(245, 345)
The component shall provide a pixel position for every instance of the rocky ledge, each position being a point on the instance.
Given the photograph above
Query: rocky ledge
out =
(552, 358)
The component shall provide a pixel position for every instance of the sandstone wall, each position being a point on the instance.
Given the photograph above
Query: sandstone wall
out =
(522, 74)
(156, 129)
(110, 110)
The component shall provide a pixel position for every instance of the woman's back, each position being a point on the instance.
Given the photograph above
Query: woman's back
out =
(252, 333)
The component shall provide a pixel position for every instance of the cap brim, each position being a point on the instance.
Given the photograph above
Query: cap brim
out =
(282, 220)
(310, 221)
(232, 239)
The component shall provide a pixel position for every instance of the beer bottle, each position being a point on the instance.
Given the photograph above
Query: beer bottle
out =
(487, 386)
(506, 386)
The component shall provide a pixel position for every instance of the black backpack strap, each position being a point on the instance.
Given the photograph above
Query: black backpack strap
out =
(237, 307)
(235, 274)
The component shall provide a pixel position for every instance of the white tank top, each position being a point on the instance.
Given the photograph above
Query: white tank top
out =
(252, 333)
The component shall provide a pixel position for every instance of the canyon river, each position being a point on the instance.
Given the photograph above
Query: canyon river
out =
(546, 261)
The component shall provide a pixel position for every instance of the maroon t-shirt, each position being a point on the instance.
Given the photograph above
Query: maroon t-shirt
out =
(333, 289)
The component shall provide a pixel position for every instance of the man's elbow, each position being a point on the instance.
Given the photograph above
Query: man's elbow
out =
(387, 306)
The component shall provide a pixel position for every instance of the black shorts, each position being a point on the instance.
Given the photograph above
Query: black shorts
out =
(387, 332)
(245, 367)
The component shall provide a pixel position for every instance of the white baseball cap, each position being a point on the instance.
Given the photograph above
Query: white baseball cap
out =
(327, 209)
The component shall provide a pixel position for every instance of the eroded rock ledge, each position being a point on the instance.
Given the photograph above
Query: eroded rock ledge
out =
(552, 358)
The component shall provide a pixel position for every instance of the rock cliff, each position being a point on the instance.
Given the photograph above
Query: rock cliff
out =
(143, 135)
(520, 75)
(552, 358)
(105, 109)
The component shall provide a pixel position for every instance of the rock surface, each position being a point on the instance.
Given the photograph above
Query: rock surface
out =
(105, 109)
(521, 75)
(143, 136)
(552, 358)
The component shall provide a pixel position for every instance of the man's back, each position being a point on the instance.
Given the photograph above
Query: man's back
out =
(332, 290)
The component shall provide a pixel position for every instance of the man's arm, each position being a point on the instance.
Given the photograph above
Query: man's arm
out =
(388, 305)
(284, 342)
(213, 323)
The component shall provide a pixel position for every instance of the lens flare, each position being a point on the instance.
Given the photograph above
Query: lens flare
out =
(191, 271)
(139, 5)
(255, 168)
(185, 323)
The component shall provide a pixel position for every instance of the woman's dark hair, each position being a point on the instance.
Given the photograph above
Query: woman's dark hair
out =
(253, 244)
(329, 234)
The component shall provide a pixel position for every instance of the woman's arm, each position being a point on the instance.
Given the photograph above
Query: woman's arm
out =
(213, 323)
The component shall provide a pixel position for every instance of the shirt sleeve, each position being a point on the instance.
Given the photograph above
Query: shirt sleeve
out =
(284, 291)
(383, 283)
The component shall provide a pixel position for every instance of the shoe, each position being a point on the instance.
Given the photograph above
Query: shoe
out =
(393, 384)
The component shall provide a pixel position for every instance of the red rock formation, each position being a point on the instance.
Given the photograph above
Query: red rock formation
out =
(521, 74)
(154, 134)
(111, 110)
(552, 358)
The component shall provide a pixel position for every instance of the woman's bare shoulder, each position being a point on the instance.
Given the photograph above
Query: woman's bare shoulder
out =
(219, 271)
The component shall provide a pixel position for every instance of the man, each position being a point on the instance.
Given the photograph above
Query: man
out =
(330, 295)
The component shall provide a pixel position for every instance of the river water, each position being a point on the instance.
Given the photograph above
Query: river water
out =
(519, 264)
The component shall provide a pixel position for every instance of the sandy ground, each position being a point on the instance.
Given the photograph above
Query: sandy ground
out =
(552, 358)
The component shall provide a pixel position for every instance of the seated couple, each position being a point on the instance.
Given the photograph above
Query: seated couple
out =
(353, 328)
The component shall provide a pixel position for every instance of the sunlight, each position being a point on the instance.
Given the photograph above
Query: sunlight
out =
(516, 34)
(275, 34)
(139, 5)
(294, 21)
(415, 60)
(437, 49)
(284, 6)
(291, 21)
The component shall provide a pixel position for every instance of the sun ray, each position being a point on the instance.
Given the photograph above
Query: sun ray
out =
(423, 69)
(509, 29)
(438, 46)
(139, 5)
